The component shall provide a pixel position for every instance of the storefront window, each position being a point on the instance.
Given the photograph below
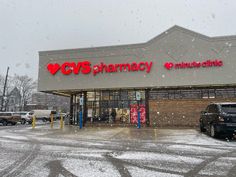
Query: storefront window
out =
(131, 95)
(105, 95)
(91, 96)
(101, 105)
(124, 95)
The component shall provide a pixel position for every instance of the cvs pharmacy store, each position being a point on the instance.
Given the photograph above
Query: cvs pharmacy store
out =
(170, 79)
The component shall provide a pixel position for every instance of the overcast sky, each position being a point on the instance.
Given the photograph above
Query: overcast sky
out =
(29, 26)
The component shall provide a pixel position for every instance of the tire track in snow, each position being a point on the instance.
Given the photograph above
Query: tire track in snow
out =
(118, 165)
(23, 162)
(199, 167)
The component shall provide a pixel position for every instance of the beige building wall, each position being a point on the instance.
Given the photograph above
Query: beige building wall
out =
(176, 45)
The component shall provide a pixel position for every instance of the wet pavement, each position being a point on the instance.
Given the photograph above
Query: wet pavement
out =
(113, 151)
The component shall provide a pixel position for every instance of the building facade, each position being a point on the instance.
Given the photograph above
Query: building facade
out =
(12, 101)
(169, 79)
(48, 101)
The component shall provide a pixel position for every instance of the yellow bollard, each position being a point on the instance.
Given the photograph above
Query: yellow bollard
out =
(61, 122)
(33, 122)
(51, 120)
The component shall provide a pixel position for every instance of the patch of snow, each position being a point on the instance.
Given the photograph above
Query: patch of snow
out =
(143, 172)
(195, 149)
(37, 167)
(7, 159)
(15, 137)
(220, 167)
(70, 150)
(85, 168)
(159, 157)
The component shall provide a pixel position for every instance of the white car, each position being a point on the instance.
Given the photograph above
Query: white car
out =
(25, 117)
(44, 115)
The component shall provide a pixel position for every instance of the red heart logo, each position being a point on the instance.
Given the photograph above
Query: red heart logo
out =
(168, 65)
(53, 68)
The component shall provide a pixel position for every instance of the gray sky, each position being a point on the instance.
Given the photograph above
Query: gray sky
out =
(29, 26)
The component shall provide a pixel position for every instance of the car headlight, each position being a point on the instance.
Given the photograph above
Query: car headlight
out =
(221, 119)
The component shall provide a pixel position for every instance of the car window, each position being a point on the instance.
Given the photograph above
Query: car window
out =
(53, 112)
(213, 108)
(229, 108)
(207, 109)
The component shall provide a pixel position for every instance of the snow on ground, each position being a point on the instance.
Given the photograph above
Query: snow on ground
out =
(167, 166)
(102, 152)
(8, 159)
(195, 149)
(85, 168)
(134, 171)
(37, 168)
(70, 150)
(13, 145)
(194, 139)
(16, 137)
(220, 167)
(159, 157)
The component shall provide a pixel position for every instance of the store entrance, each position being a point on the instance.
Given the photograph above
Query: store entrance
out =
(112, 107)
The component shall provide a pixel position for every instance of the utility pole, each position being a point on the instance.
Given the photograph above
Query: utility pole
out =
(4, 90)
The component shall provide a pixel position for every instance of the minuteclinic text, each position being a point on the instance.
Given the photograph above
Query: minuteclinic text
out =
(85, 67)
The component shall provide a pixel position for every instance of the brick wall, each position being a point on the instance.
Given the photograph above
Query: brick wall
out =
(184, 113)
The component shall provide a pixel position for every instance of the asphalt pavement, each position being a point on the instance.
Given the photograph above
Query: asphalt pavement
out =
(113, 151)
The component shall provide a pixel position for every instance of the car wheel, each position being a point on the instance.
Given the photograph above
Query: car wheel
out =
(13, 123)
(202, 129)
(4, 123)
(23, 121)
(230, 136)
(213, 132)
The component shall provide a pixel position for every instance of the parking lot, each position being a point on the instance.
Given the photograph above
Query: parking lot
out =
(110, 151)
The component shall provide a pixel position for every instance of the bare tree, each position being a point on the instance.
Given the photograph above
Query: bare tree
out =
(25, 85)
(1, 83)
(9, 87)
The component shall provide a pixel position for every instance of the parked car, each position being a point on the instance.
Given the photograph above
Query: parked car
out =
(25, 117)
(58, 115)
(44, 115)
(9, 117)
(219, 119)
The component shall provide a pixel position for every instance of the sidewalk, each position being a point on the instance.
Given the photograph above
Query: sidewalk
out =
(114, 133)
(126, 134)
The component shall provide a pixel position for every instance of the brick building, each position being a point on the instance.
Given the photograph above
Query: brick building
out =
(49, 101)
(170, 78)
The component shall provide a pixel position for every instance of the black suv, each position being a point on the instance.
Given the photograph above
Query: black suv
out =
(219, 119)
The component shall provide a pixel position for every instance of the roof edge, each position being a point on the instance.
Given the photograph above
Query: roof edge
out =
(140, 45)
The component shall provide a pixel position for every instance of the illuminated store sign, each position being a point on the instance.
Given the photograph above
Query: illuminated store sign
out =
(194, 64)
(85, 67)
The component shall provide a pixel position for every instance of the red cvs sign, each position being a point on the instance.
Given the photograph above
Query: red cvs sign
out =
(70, 67)
(85, 67)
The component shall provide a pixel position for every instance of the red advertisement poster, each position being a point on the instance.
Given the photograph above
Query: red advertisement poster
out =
(142, 114)
(134, 113)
